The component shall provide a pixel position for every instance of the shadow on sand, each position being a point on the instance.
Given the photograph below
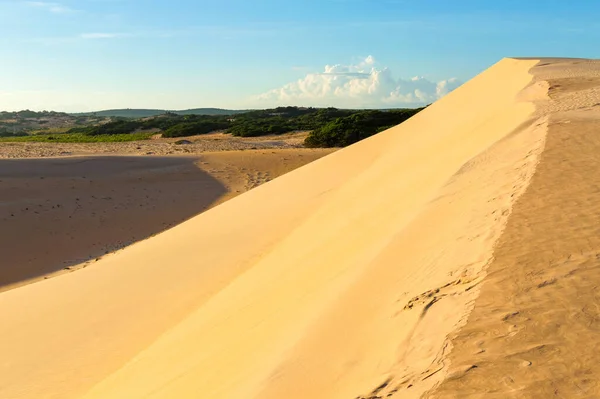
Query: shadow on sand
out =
(55, 213)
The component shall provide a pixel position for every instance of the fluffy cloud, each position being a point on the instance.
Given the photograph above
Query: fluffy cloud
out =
(360, 85)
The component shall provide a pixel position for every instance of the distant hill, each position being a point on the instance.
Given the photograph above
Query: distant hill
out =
(143, 113)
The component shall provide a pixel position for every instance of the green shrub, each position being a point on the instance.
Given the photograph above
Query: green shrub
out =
(11, 133)
(193, 128)
(348, 130)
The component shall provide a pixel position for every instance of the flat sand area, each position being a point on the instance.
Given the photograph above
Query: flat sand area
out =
(157, 146)
(60, 214)
(455, 255)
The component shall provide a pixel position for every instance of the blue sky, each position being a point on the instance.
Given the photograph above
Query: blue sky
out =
(97, 54)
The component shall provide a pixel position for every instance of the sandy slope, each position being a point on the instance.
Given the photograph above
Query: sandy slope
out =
(342, 279)
(61, 214)
(533, 332)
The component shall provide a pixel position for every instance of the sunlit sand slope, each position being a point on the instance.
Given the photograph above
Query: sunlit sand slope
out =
(534, 330)
(341, 279)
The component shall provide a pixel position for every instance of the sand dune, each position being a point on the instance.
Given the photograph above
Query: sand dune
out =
(357, 275)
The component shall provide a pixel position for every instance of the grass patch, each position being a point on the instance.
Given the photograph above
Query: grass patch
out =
(50, 131)
(77, 138)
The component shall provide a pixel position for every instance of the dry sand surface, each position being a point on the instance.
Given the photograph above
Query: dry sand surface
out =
(159, 146)
(452, 256)
(61, 214)
(533, 332)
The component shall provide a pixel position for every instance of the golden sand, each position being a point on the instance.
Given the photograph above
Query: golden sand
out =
(357, 275)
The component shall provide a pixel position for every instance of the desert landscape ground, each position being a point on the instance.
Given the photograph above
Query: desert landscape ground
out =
(452, 256)
(160, 146)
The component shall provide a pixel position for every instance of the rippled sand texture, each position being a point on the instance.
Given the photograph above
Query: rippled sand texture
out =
(533, 332)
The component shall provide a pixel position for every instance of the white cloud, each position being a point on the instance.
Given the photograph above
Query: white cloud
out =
(55, 8)
(355, 86)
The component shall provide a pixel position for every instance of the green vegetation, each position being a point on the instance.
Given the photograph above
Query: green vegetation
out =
(194, 128)
(4, 115)
(348, 130)
(329, 127)
(48, 131)
(248, 124)
(283, 120)
(110, 128)
(77, 138)
(8, 133)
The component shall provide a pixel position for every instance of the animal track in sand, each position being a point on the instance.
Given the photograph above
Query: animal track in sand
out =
(429, 298)
(255, 179)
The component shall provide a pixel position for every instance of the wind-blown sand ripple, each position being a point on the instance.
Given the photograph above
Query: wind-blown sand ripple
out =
(533, 332)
